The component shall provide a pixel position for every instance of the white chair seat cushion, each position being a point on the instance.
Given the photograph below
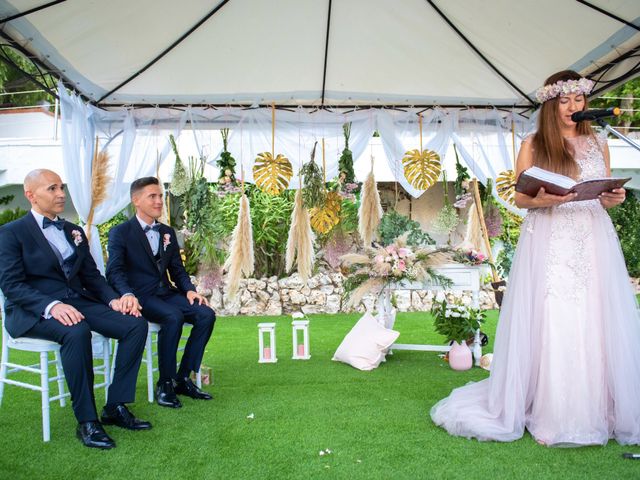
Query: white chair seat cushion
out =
(365, 345)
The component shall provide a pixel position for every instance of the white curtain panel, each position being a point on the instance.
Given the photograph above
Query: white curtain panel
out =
(131, 156)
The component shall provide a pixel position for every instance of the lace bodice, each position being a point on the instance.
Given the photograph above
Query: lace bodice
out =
(567, 268)
(588, 152)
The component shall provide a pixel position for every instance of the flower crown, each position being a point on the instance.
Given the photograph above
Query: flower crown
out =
(564, 87)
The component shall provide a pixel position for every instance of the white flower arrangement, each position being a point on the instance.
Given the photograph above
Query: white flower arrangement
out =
(166, 241)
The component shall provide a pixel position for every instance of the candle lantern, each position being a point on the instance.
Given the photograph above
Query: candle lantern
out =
(267, 352)
(300, 347)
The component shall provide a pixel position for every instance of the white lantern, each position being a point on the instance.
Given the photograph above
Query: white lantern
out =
(267, 353)
(300, 349)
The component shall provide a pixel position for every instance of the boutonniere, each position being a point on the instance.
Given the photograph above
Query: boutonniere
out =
(77, 237)
(166, 241)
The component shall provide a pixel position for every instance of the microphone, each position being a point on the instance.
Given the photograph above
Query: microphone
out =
(590, 115)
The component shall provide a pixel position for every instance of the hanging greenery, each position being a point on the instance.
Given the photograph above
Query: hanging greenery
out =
(447, 219)
(345, 163)
(226, 163)
(180, 179)
(315, 192)
(461, 185)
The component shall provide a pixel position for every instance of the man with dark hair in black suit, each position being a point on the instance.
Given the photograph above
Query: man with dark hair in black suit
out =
(142, 255)
(54, 291)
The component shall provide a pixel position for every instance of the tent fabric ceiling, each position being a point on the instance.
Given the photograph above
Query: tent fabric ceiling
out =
(377, 52)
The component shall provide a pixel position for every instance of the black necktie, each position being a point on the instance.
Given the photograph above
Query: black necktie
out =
(155, 227)
(47, 222)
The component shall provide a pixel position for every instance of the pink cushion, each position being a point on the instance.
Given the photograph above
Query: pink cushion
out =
(365, 345)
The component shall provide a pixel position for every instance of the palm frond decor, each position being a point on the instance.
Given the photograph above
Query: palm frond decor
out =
(370, 211)
(241, 259)
(506, 186)
(421, 168)
(300, 243)
(271, 172)
(327, 216)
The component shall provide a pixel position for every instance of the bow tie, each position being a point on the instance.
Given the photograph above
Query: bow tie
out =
(155, 227)
(47, 222)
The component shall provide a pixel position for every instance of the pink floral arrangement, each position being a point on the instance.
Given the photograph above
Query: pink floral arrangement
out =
(373, 270)
(470, 257)
(77, 237)
(166, 241)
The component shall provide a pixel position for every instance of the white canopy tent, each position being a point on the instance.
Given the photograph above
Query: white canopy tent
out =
(144, 69)
(331, 52)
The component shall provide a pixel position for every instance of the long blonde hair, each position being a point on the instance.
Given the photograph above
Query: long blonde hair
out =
(550, 150)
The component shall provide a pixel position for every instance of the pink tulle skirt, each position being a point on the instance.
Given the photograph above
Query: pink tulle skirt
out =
(566, 362)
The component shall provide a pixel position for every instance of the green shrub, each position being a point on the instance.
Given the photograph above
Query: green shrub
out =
(626, 219)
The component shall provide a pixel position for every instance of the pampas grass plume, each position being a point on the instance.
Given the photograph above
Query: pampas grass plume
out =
(300, 242)
(241, 259)
(370, 211)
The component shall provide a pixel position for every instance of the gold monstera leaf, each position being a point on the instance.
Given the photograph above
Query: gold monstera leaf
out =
(421, 168)
(325, 218)
(272, 175)
(506, 186)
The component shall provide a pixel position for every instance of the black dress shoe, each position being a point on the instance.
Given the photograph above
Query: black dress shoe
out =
(92, 435)
(120, 416)
(184, 386)
(166, 395)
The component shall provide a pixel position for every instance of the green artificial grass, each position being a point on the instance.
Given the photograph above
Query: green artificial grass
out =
(376, 424)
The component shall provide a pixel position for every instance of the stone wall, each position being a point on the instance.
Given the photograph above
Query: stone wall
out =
(322, 294)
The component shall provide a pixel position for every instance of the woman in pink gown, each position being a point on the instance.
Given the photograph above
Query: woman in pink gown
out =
(566, 362)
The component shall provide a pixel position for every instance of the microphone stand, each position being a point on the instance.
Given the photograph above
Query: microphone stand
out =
(608, 128)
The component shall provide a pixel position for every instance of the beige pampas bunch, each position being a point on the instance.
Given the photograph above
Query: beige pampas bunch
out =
(100, 181)
(240, 259)
(370, 211)
(301, 237)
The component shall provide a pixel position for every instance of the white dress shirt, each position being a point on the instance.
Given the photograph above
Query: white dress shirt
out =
(59, 240)
(152, 235)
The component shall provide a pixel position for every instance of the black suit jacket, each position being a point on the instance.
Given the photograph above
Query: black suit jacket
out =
(132, 267)
(31, 276)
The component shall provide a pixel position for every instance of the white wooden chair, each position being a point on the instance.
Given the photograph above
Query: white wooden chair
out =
(44, 348)
(147, 358)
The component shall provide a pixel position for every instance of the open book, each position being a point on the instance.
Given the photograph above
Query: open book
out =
(533, 178)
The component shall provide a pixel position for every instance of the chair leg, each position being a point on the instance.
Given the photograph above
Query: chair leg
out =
(44, 385)
(113, 360)
(148, 352)
(106, 368)
(60, 375)
(4, 358)
(198, 379)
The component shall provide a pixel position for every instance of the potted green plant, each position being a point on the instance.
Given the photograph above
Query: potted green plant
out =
(457, 323)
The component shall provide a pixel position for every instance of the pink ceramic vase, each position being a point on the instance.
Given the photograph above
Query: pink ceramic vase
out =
(460, 357)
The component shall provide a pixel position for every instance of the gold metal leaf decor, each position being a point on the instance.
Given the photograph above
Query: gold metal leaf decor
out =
(506, 186)
(421, 168)
(325, 218)
(272, 175)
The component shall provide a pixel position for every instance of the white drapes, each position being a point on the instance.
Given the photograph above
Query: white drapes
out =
(130, 144)
(137, 142)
